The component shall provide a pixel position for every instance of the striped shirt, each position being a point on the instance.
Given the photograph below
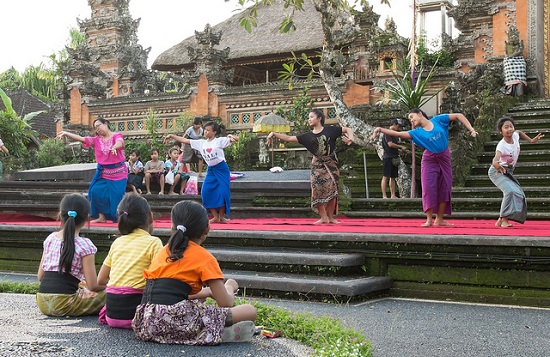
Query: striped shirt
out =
(52, 252)
(129, 255)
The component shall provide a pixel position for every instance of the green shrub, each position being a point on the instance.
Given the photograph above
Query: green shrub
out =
(51, 153)
(241, 151)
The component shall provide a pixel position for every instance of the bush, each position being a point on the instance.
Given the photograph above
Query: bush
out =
(241, 151)
(51, 153)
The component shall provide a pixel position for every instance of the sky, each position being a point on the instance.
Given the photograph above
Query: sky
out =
(33, 29)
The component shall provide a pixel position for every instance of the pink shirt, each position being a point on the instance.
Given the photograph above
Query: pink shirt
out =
(104, 156)
(52, 251)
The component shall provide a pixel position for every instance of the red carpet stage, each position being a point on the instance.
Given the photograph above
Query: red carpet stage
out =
(348, 225)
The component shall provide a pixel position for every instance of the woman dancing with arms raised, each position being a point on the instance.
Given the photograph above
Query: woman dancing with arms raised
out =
(324, 177)
(437, 173)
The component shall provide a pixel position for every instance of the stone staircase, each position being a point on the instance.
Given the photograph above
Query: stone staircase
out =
(303, 264)
(479, 198)
(271, 264)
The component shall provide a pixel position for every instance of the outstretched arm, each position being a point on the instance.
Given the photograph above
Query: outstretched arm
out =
(524, 136)
(397, 134)
(75, 137)
(181, 139)
(461, 118)
(282, 137)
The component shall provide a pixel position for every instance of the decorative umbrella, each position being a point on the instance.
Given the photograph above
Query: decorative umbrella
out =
(268, 123)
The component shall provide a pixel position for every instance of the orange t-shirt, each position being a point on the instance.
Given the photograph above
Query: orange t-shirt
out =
(197, 266)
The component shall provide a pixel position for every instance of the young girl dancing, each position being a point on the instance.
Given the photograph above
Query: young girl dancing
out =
(129, 255)
(171, 310)
(514, 206)
(67, 275)
(215, 192)
(437, 172)
(324, 177)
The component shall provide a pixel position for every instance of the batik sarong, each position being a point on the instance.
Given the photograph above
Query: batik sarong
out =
(215, 188)
(437, 180)
(104, 194)
(514, 204)
(82, 303)
(189, 322)
(324, 179)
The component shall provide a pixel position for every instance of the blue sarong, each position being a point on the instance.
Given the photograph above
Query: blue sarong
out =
(215, 188)
(105, 195)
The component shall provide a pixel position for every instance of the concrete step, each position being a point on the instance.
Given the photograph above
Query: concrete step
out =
(529, 168)
(305, 285)
(287, 256)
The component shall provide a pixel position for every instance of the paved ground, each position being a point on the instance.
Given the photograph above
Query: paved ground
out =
(396, 328)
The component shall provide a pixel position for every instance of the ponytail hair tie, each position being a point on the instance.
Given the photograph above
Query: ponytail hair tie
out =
(71, 214)
(181, 228)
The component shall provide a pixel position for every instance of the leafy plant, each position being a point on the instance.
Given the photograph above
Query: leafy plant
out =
(14, 131)
(51, 153)
(429, 58)
(298, 113)
(408, 89)
(241, 151)
(19, 288)
(152, 126)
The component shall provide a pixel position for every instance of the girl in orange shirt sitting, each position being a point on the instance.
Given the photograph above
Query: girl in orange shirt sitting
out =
(172, 310)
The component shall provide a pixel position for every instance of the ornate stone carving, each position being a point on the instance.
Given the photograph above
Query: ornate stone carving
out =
(208, 60)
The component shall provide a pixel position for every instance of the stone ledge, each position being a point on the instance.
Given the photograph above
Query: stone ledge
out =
(287, 256)
(347, 286)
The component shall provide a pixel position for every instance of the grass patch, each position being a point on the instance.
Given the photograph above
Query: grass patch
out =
(324, 334)
(19, 288)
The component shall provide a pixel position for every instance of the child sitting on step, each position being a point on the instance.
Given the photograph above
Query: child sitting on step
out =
(67, 275)
(129, 255)
(172, 310)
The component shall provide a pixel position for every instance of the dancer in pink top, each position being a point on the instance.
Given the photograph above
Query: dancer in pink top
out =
(109, 182)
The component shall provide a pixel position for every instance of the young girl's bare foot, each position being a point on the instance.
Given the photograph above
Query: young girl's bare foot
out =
(333, 221)
(214, 220)
(322, 221)
(426, 224)
(504, 223)
(224, 220)
(498, 222)
(442, 224)
(100, 219)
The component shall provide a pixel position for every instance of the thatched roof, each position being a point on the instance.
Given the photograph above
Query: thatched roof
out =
(264, 40)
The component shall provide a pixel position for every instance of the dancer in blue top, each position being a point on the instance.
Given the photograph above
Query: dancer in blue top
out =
(437, 175)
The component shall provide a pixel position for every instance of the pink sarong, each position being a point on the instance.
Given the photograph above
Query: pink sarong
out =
(437, 180)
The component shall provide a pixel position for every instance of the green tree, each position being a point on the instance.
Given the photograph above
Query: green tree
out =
(16, 133)
(298, 113)
(339, 28)
(10, 80)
